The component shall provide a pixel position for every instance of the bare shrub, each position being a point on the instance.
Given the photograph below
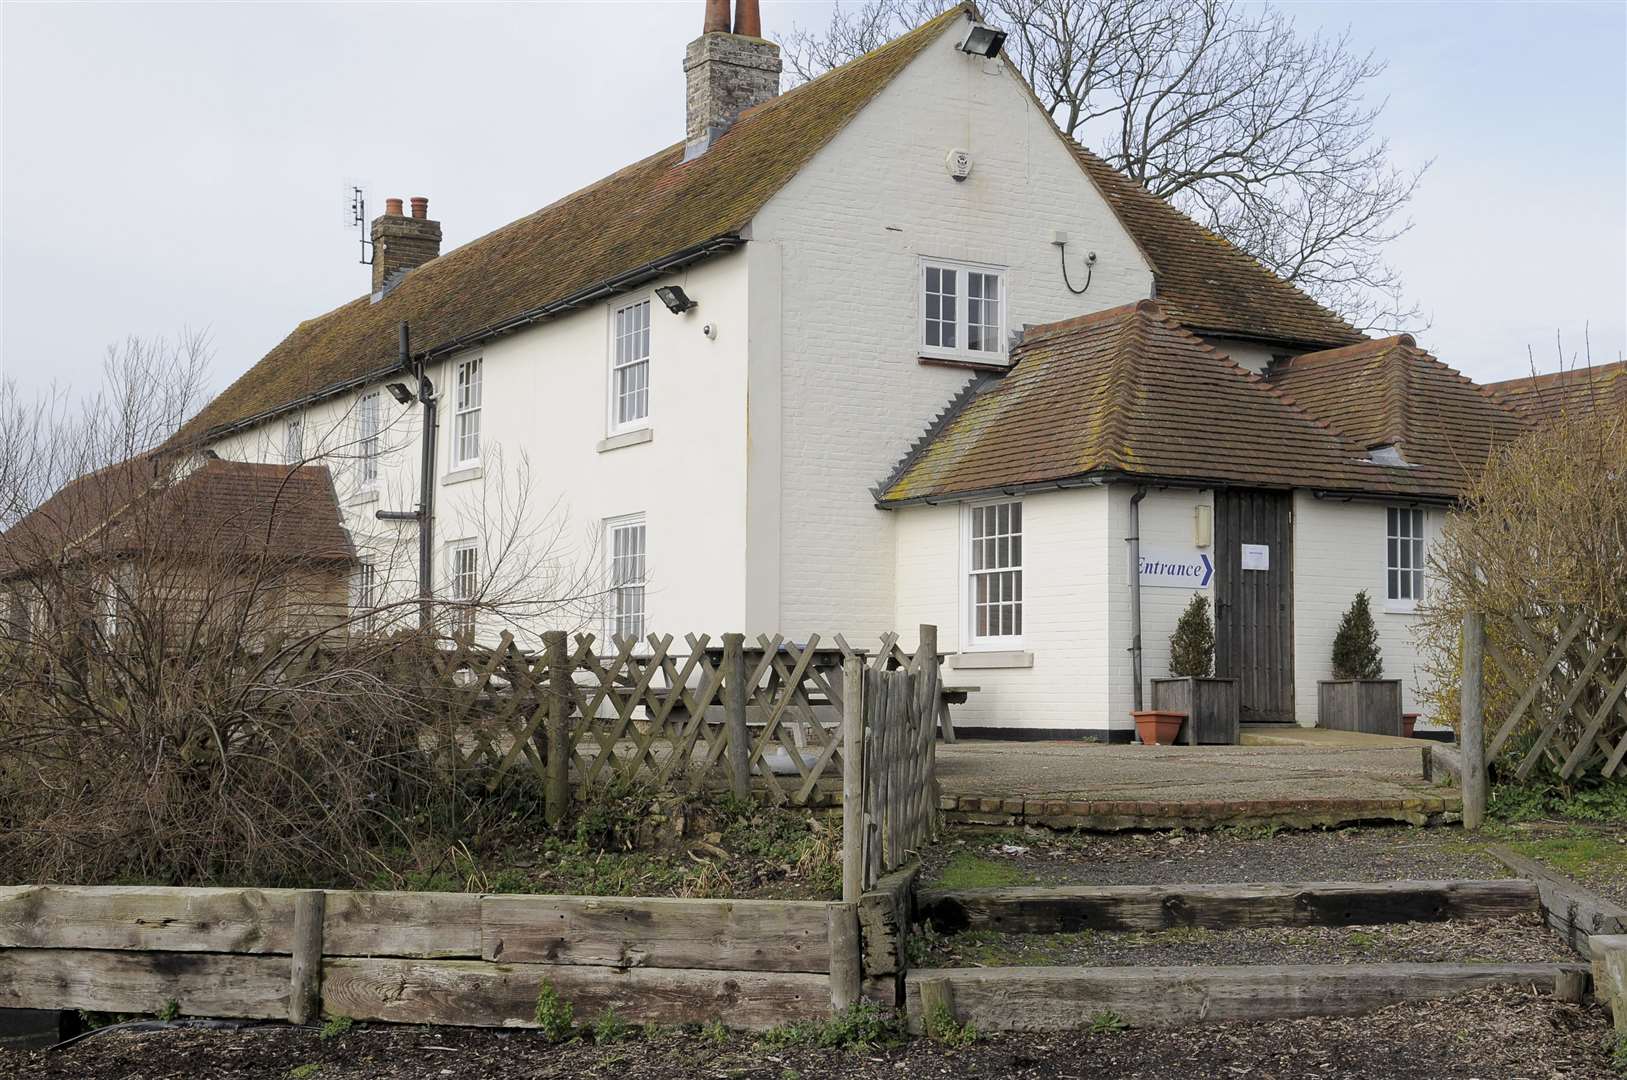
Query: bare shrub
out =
(1539, 546)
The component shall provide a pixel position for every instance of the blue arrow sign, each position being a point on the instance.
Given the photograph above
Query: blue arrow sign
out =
(1208, 571)
(1176, 569)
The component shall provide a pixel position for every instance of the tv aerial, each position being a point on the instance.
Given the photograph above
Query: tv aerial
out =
(355, 217)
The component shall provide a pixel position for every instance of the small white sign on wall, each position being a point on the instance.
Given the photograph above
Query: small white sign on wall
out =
(1256, 556)
(1165, 568)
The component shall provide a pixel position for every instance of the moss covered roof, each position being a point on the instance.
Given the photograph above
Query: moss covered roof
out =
(1579, 393)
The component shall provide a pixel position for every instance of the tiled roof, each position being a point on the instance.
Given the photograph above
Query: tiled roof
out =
(1579, 392)
(658, 209)
(1130, 393)
(222, 509)
(1207, 284)
(1390, 392)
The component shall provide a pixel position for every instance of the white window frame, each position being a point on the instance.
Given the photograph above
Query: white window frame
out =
(364, 599)
(614, 425)
(369, 423)
(466, 394)
(961, 350)
(614, 587)
(293, 440)
(1411, 563)
(463, 583)
(970, 573)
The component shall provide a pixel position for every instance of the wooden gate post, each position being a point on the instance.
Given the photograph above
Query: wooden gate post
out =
(852, 778)
(1472, 726)
(734, 714)
(557, 784)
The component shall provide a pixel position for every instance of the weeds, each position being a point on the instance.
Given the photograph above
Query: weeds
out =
(555, 1016)
(170, 1011)
(334, 1026)
(861, 1025)
(968, 871)
(1616, 1045)
(1107, 1022)
(303, 1072)
(715, 1033)
(941, 1026)
(610, 1028)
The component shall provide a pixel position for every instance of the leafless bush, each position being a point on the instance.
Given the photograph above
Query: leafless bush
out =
(190, 690)
(1539, 547)
(1261, 133)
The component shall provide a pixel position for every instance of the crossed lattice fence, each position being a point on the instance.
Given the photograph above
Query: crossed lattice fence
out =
(1563, 681)
(763, 717)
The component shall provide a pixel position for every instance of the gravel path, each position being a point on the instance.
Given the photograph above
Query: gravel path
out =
(1504, 1034)
(1377, 853)
(1517, 940)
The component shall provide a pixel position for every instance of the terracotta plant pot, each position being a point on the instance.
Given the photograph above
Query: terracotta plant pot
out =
(1409, 720)
(1157, 727)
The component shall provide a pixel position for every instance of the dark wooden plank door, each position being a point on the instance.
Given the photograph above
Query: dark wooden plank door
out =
(1254, 609)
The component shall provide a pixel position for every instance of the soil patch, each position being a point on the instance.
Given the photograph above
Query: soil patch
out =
(1371, 853)
(1517, 940)
(1503, 1033)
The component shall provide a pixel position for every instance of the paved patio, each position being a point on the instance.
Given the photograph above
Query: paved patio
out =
(1313, 782)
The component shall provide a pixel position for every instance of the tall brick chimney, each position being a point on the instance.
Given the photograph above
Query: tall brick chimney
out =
(727, 73)
(401, 242)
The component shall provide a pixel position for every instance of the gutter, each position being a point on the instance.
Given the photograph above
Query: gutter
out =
(605, 287)
(1110, 476)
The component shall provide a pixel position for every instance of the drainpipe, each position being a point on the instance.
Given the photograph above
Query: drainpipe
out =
(426, 487)
(1134, 540)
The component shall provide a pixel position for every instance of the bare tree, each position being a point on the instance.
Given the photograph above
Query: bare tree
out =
(1260, 133)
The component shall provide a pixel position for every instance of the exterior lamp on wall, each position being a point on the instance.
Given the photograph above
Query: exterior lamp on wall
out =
(399, 391)
(984, 41)
(676, 300)
(1203, 525)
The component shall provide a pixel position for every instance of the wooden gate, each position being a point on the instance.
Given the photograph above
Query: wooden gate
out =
(1254, 608)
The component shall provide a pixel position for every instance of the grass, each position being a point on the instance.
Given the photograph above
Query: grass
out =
(968, 871)
(334, 1026)
(303, 1072)
(1577, 852)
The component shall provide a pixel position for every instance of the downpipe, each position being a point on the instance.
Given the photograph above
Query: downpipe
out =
(1134, 540)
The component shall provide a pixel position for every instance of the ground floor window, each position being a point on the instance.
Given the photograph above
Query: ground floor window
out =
(1405, 557)
(627, 561)
(994, 585)
(366, 599)
(464, 574)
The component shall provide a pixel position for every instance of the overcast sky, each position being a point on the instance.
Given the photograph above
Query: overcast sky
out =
(184, 165)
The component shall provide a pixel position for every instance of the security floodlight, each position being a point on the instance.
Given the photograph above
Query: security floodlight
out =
(675, 298)
(983, 40)
(400, 392)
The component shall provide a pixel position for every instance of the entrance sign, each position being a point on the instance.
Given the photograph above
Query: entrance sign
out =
(1169, 569)
(1256, 556)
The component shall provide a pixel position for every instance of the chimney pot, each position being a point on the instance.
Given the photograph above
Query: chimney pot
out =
(392, 207)
(726, 73)
(748, 19)
(420, 206)
(717, 17)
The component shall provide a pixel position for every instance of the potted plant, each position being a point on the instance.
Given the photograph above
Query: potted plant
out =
(1358, 697)
(1211, 704)
(1157, 727)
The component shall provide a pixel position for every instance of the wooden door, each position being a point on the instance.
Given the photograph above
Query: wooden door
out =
(1254, 608)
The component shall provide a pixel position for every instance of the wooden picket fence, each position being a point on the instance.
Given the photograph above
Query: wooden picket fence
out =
(1567, 675)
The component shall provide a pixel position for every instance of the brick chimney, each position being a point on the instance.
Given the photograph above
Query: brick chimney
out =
(727, 73)
(401, 242)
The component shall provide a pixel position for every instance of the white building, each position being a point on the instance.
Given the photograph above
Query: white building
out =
(720, 368)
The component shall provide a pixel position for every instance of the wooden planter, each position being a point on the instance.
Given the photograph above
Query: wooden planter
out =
(1370, 705)
(1213, 706)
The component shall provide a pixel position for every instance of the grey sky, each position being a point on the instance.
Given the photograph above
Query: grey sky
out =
(170, 165)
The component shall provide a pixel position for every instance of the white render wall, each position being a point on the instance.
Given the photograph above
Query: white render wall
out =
(1065, 616)
(847, 235)
(1339, 549)
(545, 412)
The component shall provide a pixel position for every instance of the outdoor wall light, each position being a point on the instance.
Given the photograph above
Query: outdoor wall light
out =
(983, 40)
(675, 298)
(400, 392)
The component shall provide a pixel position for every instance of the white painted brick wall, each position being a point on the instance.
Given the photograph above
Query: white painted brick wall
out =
(1339, 549)
(851, 229)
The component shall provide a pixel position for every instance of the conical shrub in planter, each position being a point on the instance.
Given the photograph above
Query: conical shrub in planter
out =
(1211, 705)
(1358, 697)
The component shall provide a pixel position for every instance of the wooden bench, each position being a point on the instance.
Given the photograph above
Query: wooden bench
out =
(947, 696)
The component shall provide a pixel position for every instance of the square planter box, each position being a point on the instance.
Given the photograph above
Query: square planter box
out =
(1212, 706)
(1370, 705)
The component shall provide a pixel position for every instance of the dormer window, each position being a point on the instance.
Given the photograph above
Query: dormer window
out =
(963, 311)
(1387, 454)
